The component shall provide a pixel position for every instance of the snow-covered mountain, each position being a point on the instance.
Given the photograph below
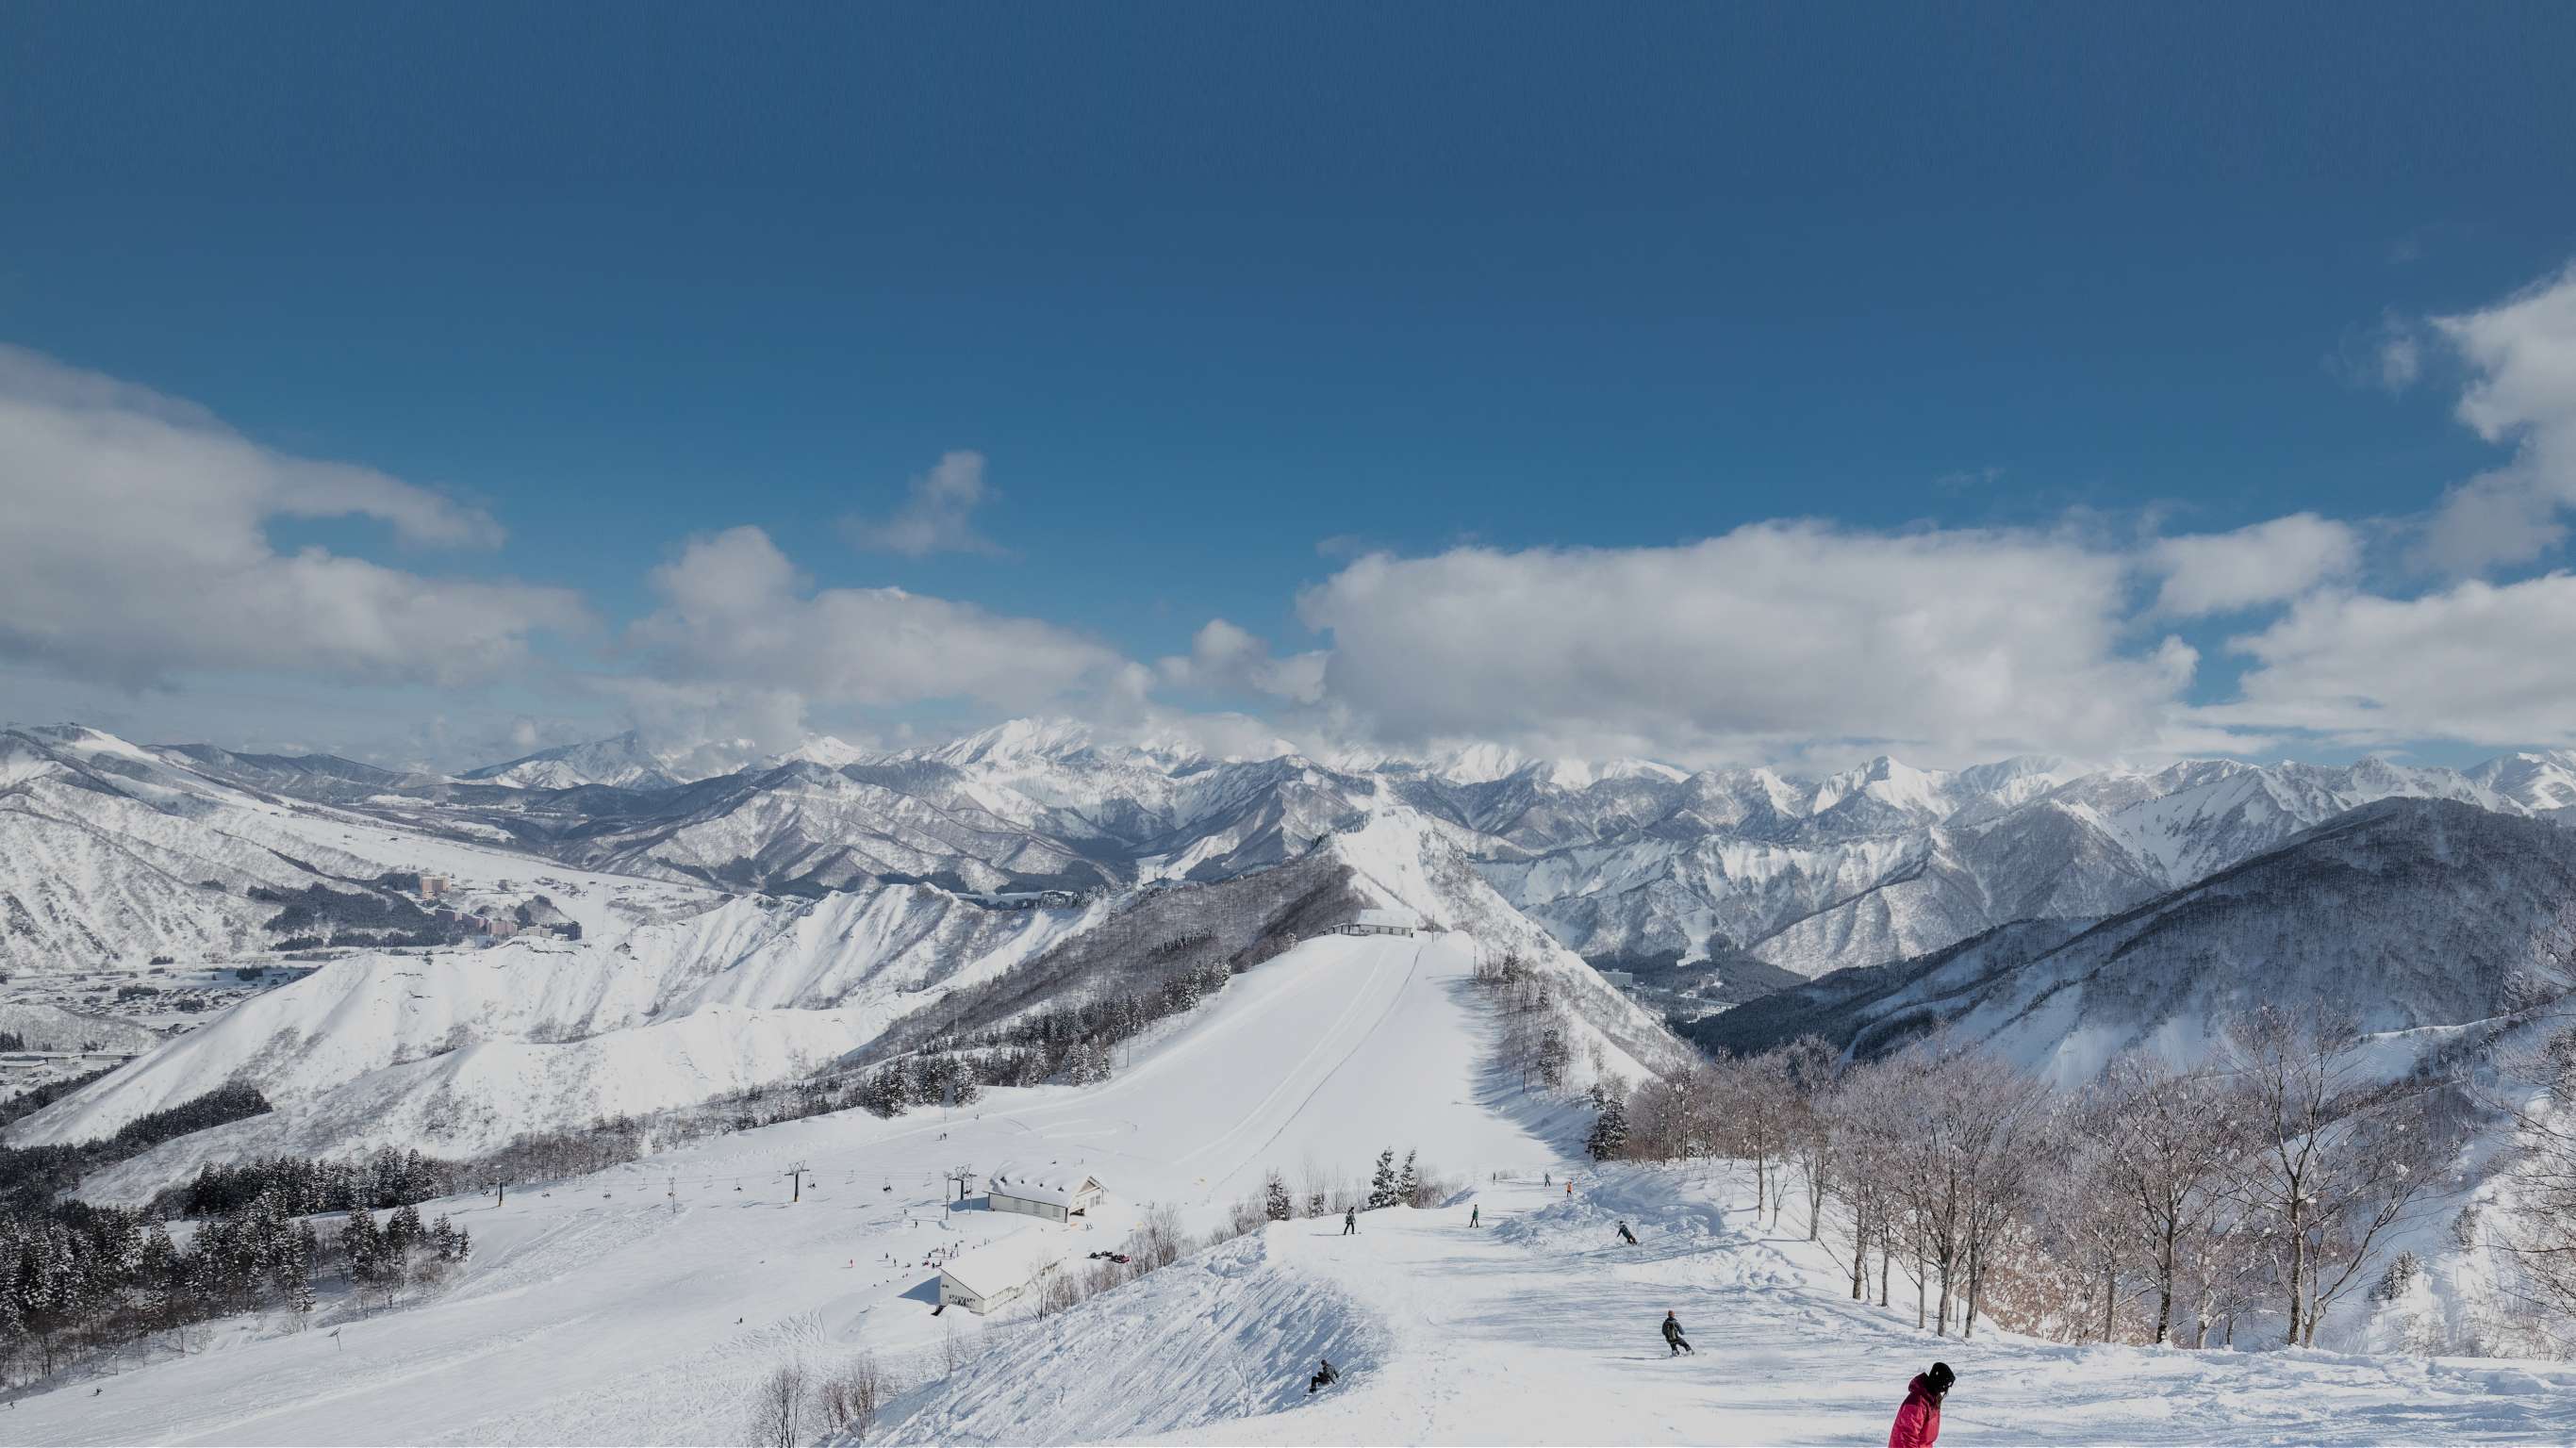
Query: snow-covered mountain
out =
(756, 925)
(2419, 919)
(620, 761)
(1629, 862)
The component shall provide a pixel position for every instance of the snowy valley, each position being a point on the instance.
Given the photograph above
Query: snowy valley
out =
(708, 1100)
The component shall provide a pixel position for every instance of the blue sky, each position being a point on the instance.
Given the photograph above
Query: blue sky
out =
(1225, 303)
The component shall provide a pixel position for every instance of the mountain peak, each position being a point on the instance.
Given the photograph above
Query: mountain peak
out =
(1016, 740)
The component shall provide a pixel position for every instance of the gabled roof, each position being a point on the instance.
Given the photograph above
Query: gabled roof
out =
(1013, 1261)
(1054, 1183)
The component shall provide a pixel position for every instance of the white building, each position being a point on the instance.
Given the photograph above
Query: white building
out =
(1057, 1193)
(998, 1274)
(1380, 922)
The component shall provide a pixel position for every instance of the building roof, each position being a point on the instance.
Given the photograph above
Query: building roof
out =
(1012, 1261)
(1389, 919)
(1054, 1184)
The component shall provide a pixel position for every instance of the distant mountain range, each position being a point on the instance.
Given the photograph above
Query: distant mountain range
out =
(2423, 921)
(105, 845)
(753, 925)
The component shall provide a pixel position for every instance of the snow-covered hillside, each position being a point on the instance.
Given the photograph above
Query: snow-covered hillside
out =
(595, 1313)
(1542, 1328)
(2418, 919)
(645, 1304)
(456, 1052)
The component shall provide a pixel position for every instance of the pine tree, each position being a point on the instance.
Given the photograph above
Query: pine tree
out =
(1274, 1191)
(403, 1230)
(364, 1246)
(1408, 1187)
(1382, 1183)
(1609, 1136)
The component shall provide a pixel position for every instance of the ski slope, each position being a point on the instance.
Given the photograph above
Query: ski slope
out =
(594, 1312)
(1540, 1329)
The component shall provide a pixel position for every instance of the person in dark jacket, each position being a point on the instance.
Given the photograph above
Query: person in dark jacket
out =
(1350, 1222)
(1918, 1423)
(1673, 1337)
(1476, 1216)
(1627, 1236)
(1323, 1378)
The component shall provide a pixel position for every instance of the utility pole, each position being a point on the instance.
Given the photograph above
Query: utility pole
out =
(796, 1182)
(674, 1194)
(500, 1192)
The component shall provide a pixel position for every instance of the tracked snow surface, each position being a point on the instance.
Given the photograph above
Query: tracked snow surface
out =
(601, 1310)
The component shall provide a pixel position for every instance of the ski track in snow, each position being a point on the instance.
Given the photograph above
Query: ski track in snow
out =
(625, 1322)
(1536, 1331)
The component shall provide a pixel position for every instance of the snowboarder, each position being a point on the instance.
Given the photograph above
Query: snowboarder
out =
(1918, 1423)
(1476, 1216)
(1627, 1236)
(1569, 1186)
(1673, 1337)
(1350, 1222)
(1324, 1378)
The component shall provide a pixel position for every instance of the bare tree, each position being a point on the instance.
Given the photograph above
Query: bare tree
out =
(852, 1395)
(779, 1407)
(2341, 1158)
(2172, 1140)
(1812, 1069)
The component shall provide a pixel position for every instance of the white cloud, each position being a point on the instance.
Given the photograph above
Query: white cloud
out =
(937, 515)
(1225, 656)
(2478, 663)
(2523, 354)
(2269, 562)
(1750, 646)
(133, 546)
(740, 629)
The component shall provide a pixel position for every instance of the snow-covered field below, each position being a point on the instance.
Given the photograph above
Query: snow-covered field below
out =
(598, 1311)
(1543, 1328)
(593, 1312)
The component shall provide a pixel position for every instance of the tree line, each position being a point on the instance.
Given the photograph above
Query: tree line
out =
(78, 1280)
(2157, 1204)
(31, 1176)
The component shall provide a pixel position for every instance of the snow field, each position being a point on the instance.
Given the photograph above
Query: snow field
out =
(594, 1313)
(1540, 1329)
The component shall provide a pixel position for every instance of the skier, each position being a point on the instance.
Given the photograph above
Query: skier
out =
(1476, 1216)
(1918, 1423)
(1350, 1222)
(1569, 1186)
(1627, 1236)
(1324, 1378)
(1673, 1337)
(1547, 1179)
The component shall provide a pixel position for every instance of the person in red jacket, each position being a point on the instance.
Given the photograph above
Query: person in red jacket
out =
(1918, 1423)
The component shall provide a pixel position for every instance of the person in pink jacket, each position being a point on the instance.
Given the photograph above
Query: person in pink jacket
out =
(1918, 1423)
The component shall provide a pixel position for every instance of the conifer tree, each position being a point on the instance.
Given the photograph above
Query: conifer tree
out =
(1274, 1192)
(1609, 1136)
(1382, 1184)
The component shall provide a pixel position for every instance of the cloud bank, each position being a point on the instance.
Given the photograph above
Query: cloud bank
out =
(135, 548)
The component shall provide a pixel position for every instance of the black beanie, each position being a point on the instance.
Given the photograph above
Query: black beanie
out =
(1941, 1377)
